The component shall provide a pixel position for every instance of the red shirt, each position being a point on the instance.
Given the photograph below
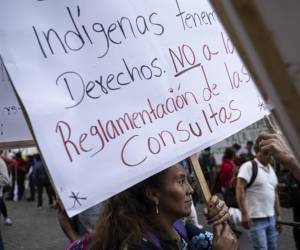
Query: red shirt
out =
(226, 171)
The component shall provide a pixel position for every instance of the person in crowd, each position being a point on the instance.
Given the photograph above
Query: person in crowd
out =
(20, 173)
(258, 201)
(247, 151)
(3, 181)
(239, 159)
(236, 147)
(12, 171)
(42, 180)
(9, 161)
(227, 168)
(208, 164)
(148, 216)
(31, 179)
(273, 143)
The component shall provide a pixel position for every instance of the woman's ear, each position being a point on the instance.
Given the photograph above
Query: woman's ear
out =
(153, 195)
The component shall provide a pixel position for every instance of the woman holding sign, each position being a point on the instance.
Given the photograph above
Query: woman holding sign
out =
(148, 217)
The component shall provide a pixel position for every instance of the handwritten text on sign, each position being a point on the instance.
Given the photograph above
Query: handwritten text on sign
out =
(123, 89)
(13, 127)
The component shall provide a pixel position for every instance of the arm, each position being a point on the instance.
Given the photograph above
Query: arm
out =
(277, 211)
(66, 224)
(240, 196)
(277, 205)
(293, 165)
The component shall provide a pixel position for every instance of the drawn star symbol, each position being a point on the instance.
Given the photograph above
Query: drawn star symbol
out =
(261, 105)
(76, 198)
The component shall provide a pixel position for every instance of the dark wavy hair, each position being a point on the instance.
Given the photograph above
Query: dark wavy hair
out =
(125, 220)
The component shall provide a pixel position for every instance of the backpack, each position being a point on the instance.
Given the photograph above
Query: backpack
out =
(230, 192)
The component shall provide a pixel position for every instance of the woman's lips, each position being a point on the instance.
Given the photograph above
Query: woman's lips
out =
(189, 202)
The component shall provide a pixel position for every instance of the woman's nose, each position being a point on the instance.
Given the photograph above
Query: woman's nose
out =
(190, 190)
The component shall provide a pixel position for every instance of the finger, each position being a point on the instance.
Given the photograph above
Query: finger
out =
(264, 136)
(213, 213)
(217, 230)
(271, 141)
(205, 212)
(219, 216)
(268, 149)
(212, 207)
(213, 201)
(269, 124)
(221, 220)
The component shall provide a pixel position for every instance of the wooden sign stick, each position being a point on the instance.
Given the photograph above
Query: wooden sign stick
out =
(207, 196)
(200, 177)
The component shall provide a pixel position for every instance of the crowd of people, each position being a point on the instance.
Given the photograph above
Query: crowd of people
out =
(28, 171)
(15, 172)
(159, 212)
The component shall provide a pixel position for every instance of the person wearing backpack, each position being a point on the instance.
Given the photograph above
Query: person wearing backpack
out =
(259, 203)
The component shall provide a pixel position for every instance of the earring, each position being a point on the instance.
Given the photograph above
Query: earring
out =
(156, 206)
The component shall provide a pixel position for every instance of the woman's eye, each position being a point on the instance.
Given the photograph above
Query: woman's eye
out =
(182, 181)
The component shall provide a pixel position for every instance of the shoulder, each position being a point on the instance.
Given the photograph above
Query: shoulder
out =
(245, 171)
(247, 164)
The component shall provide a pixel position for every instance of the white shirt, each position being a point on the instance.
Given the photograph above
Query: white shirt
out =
(4, 179)
(260, 196)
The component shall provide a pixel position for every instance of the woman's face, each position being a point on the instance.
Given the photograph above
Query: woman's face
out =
(175, 199)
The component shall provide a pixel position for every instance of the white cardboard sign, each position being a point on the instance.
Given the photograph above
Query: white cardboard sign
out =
(13, 127)
(119, 90)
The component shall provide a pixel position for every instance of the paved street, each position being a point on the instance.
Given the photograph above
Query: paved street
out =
(33, 228)
(37, 229)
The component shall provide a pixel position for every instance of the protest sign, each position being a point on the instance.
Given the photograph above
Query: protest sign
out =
(119, 90)
(14, 131)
